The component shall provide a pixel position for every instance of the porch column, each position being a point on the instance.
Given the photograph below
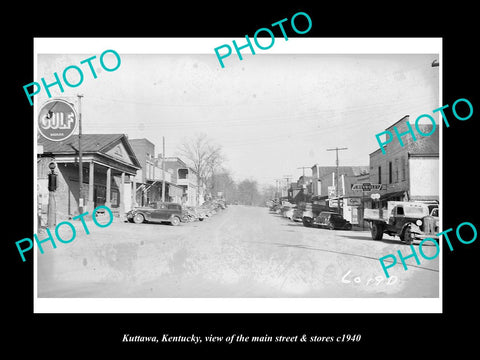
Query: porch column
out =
(144, 194)
(90, 203)
(122, 197)
(134, 192)
(108, 201)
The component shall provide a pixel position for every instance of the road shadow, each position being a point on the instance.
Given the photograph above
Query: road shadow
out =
(386, 241)
(293, 224)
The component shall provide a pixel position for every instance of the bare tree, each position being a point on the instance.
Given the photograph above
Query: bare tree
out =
(222, 181)
(203, 155)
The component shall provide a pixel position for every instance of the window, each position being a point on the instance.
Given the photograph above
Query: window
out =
(404, 170)
(397, 178)
(379, 174)
(114, 197)
(400, 211)
(390, 180)
(182, 173)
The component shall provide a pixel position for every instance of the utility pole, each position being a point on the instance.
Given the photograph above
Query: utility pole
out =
(163, 169)
(303, 169)
(80, 164)
(287, 177)
(336, 187)
(277, 188)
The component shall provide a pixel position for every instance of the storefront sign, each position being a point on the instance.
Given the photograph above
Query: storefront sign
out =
(57, 120)
(354, 201)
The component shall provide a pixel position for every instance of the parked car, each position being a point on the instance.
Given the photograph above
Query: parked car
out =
(158, 211)
(332, 220)
(298, 214)
(312, 210)
(288, 213)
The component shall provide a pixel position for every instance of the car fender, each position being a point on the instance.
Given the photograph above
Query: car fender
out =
(175, 215)
(147, 215)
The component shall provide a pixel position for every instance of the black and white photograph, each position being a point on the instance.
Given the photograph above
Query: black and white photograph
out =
(224, 179)
(259, 179)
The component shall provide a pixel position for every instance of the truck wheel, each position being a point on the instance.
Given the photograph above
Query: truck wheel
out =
(407, 236)
(377, 231)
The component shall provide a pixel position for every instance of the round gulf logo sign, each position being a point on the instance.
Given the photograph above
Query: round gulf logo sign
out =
(57, 120)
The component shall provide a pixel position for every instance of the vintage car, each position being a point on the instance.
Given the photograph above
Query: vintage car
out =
(288, 211)
(331, 220)
(298, 214)
(158, 211)
(407, 220)
(312, 210)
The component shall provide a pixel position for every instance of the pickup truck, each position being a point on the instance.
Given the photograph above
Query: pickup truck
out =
(405, 219)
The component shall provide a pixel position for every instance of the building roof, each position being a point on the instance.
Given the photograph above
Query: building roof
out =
(423, 145)
(91, 143)
(403, 119)
(347, 170)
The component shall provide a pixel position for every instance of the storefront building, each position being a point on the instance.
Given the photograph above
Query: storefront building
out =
(109, 167)
(408, 173)
(151, 177)
(350, 202)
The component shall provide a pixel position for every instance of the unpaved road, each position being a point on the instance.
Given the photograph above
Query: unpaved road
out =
(240, 252)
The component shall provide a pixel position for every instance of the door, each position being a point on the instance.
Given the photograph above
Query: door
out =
(158, 214)
(398, 218)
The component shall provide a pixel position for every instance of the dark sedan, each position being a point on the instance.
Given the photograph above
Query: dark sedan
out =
(332, 221)
(157, 212)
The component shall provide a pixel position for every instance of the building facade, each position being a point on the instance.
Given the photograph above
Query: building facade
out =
(409, 172)
(109, 168)
(150, 177)
(187, 179)
(324, 189)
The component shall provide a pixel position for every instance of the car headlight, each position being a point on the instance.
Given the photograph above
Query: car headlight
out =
(419, 222)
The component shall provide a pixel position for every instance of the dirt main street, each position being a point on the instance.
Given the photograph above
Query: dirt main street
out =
(239, 252)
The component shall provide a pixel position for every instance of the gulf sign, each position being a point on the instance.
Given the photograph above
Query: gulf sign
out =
(57, 120)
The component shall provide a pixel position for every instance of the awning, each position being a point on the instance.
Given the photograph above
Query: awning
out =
(392, 195)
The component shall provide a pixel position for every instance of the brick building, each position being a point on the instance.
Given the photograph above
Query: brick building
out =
(410, 172)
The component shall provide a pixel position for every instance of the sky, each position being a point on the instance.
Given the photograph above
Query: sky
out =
(271, 113)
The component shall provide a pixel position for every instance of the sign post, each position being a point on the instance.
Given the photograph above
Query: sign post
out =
(57, 121)
(365, 187)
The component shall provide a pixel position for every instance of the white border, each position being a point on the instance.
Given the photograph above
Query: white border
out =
(239, 305)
